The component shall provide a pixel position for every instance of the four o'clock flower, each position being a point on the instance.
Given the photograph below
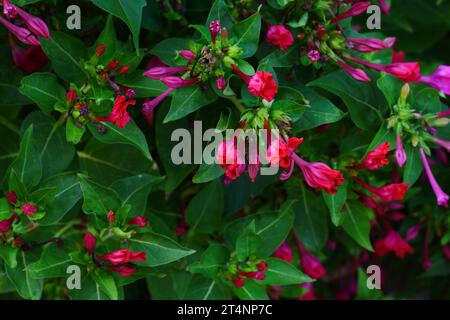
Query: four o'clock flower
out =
(24, 35)
(150, 105)
(441, 196)
(138, 221)
(221, 83)
(89, 242)
(355, 73)
(370, 44)
(34, 24)
(9, 9)
(6, 224)
(261, 84)
(279, 36)
(187, 55)
(387, 193)
(375, 159)
(158, 73)
(280, 153)
(122, 256)
(12, 197)
(439, 80)
(284, 252)
(119, 115)
(384, 6)
(393, 242)
(124, 270)
(355, 10)
(444, 144)
(313, 55)
(405, 71)
(178, 82)
(29, 209)
(400, 153)
(214, 29)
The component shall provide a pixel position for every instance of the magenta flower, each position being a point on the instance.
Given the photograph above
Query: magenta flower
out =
(89, 241)
(355, 10)
(150, 105)
(29, 209)
(9, 9)
(355, 73)
(178, 82)
(279, 36)
(34, 24)
(160, 72)
(442, 143)
(370, 44)
(221, 83)
(314, 55)
(22, 34)
(187, 55)
(284, 252)
(439, 80)
(441, 196)
(214, 29)
(400, 153)
(384, 7)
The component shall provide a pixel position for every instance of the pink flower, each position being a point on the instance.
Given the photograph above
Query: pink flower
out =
(160, 72)
(279, 36)
(398, 56)
(280, 153)
(238, 282)
(111, 217)
(178, 82)
(284, 252)
(6, 224)
(405, 71)
(214, 29)
(187, 55)
(320, 176)
(370, 44)
(375, 159)
(413, 232)
(444, 144)
(261, 84)
(122, 256)
(439, 80)
(34, 24)
(29, 209)
(124, 271)
(71, 95)
(22, 34)
(257, 275)
(441, 196)
(355, 10)
(393, 242)
(89, 241)
(228, 153)
(355, 73)
(221, 83)
(119, 115)
(311, 265)
(384, 6)
(150, 105)
(392, 192)
(400, 153)
(138, 221)
(9, 9)
(12, 197)
(314, 55)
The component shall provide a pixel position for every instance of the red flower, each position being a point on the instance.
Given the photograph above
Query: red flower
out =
(119, 115)
(12, 197)
(257, 275)
(279, 36)
(311, 265)
(122, 256)
(5, 225)
(280, 153)
(221, 83)
(375, 159)
(29, 59)
(71, 95)
(111, 217)
(320, 176)
(29, 209)
(261, 84)
(238, 282)
(284, 252)
(89, 241)
(138, 221)
(355, 10)
(392, 192)
(124, 271)
(393, 243)
(100, 50)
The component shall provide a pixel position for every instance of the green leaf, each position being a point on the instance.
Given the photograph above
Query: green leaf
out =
(207, 173)
(335, 202)
(311, 222)
(211, 261)
(160, 249)
(383, 135)
(129, 12)
(108, 39)
(5, 211)
(9, 255)
(131, 135)
(74, 132)
(281, 273)
(145, 87)
(97, 199)
(65, 54)
(363, 292)
(248, 242)
(251, 291)
(106, 283)
(28, 165)
(49, 140)
(26, 286)
(205, 210)
(67, 196)
(187, 100)
(414, 165)
(202, 288)
(365, 104)
(322, 111)
(428, 100)
(167, 50)
(52, 264)
(43, 89)
(272, 227)
(247, 33)
(356, 223)
(391, 88)
(10, 78)
(135, 190)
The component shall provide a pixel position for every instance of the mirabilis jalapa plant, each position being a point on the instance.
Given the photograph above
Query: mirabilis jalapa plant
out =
(88, 179)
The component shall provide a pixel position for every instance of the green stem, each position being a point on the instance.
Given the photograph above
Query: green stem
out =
(237, 103)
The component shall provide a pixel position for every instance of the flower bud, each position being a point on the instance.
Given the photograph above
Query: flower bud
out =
(89, 241)
(100, 50)
(221, 83)
(29, 209)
